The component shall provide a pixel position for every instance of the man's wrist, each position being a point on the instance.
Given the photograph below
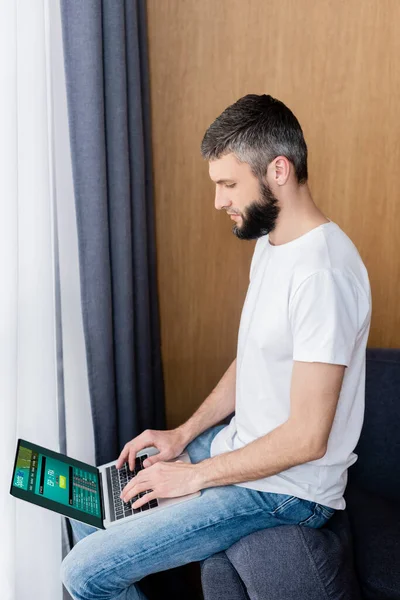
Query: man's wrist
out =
(203, 470)
(185, 434)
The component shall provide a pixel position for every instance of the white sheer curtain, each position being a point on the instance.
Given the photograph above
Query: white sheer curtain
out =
(78, 418)
(36, 218)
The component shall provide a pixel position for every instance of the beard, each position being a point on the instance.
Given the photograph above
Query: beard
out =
(260, 216)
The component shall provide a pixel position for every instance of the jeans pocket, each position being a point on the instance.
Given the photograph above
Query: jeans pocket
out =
(286, 503)
(318, 517)
(311, 520)
(327, 511)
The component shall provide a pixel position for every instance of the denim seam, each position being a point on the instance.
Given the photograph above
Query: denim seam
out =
(325, 512)
(179, 539)
(313, 563)
(310, 518)
(284, 503)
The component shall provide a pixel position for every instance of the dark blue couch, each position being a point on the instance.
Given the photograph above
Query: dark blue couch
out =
(356, 555)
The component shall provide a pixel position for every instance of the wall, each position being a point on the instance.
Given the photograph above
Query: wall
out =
(334, 63)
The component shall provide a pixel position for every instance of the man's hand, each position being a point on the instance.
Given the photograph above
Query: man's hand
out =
(169, 443)
(163, 480)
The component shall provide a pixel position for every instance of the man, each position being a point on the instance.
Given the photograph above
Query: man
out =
(296, 385)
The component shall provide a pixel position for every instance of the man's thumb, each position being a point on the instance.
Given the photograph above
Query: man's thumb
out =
(151, 460)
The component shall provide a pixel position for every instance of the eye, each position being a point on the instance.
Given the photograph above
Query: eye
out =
(231, 186)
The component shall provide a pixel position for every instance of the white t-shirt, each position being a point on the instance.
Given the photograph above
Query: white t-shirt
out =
(308, 300)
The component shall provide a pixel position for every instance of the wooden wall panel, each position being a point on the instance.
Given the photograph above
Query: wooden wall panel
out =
(334, 63)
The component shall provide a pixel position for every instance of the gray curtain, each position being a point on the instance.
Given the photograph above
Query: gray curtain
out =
(107, 79)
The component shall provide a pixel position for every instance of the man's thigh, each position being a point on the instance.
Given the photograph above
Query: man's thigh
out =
(115, 558)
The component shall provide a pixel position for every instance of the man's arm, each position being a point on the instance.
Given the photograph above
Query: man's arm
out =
(315, 391)
(218, 405)
(314, 394)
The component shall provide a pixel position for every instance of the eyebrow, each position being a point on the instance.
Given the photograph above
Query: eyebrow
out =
(225, 181)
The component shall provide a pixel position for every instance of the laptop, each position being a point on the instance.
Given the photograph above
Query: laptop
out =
(80, 491)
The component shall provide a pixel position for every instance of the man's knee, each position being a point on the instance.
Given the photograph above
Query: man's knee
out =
(75, 576)
(85, 576)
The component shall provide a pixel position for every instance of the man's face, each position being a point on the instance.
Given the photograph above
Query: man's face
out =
(251, 204)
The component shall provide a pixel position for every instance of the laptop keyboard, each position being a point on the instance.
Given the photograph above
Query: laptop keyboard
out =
(117, 480)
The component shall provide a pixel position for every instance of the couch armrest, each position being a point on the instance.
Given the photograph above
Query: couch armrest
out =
(293, 563)
(220, 580)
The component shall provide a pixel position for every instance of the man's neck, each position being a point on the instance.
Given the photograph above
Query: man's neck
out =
(298, 215)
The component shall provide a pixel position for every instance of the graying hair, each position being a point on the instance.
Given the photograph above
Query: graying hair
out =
(257, 129)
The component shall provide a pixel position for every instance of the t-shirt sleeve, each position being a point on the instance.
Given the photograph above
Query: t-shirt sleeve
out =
(323, 313)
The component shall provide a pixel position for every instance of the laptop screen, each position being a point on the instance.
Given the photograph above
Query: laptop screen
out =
(57, 482)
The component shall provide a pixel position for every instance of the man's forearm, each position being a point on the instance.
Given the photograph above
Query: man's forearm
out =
(282, 448)
(218, 405)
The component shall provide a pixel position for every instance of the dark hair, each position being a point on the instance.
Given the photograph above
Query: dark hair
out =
(257, 129)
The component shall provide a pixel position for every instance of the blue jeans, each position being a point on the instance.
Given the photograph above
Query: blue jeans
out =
(106, 564)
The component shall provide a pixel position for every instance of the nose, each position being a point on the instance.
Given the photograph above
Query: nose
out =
(221, 201)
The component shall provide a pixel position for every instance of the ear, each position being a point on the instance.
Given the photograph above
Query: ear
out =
(281, 170)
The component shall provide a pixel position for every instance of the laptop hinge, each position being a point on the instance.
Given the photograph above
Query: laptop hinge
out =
(103, 510)
(110, 494)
